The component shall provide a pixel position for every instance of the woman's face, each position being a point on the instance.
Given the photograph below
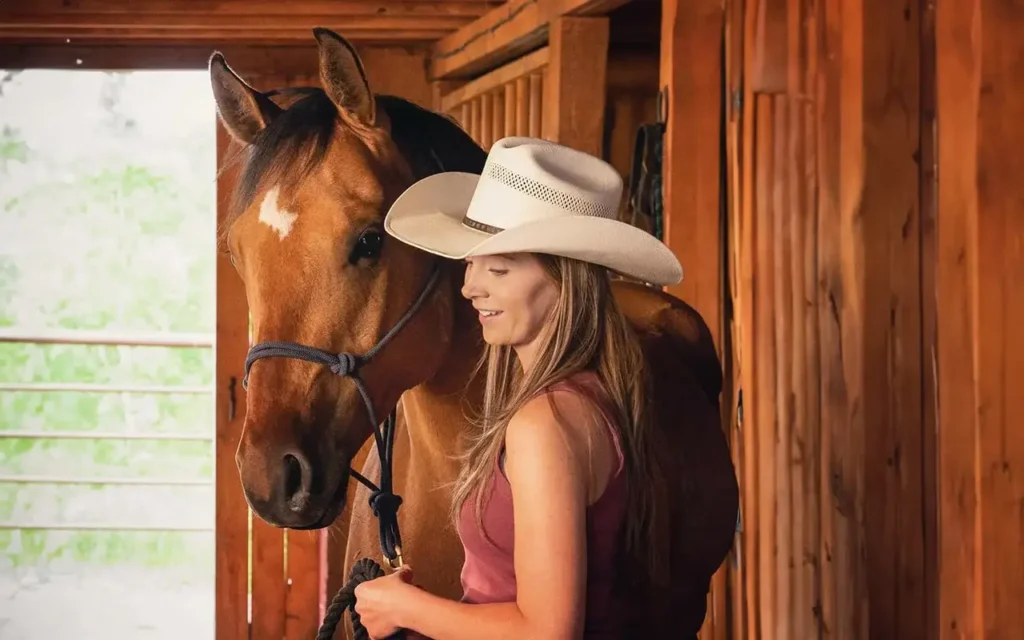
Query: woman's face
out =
(513, 296)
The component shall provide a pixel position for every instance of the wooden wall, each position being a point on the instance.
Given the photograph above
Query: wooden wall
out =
(979, 288)
(826, 243)
(874, 244)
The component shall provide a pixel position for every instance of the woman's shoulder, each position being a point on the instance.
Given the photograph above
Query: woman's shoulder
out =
(567, 428)
(567, 409)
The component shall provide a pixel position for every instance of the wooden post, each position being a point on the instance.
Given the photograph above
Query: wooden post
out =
(691, 67)
(232, 513)
(575, 87)
(691, 38)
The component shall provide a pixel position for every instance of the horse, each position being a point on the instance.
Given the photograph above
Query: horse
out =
(305, 235)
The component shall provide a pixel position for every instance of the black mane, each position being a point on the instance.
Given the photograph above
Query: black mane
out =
(298, 138)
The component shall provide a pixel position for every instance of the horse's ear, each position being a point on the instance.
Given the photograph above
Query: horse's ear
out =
(243, 110)
(343, 77)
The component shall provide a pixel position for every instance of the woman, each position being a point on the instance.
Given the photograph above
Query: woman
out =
(554, 483)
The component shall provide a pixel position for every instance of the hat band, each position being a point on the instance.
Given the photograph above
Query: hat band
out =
(480, 226)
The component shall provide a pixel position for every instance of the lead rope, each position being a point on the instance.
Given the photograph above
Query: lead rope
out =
(383, 502)
(385, 505)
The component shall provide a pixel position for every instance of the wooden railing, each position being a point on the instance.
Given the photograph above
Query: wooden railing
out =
(505, 102)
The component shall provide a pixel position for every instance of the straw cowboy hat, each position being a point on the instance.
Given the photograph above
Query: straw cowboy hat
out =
(532, 196)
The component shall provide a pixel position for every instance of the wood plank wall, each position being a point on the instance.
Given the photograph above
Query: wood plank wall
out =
(876, 269)
(979, 252)
(825, 272)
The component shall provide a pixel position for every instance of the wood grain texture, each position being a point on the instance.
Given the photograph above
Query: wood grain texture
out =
(218, 21)
(980, 297)
(576, 84)
(231, 534)
(505, 33)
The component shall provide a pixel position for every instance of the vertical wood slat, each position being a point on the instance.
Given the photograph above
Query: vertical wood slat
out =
(497, 115)
(998, 231)
(980, 292)
(928, 200)
(746, 232)
(485, 136)
(803, 51)
(892, 326)
(783, 356)
(830, 380)
(733, 329)
(475, 126)
(302, 602)
(800, 597)
(523, 97)
(762, 395)
(575, 86)
(960, 549)
(232, 527)
(268, 581)
(509, 109)
(534, 114)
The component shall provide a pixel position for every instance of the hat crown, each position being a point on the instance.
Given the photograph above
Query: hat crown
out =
(526, 179)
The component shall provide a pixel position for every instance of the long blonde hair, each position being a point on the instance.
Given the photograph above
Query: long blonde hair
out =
(587, 330)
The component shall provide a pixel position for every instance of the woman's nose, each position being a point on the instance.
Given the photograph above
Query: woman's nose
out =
(470, 285)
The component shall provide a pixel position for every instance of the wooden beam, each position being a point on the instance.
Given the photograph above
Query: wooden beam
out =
(338, 8)
(505, 33)
(495, 79)
(273, 64)
(216, 36)
(575, 90)
(246, 60)
(233, 20)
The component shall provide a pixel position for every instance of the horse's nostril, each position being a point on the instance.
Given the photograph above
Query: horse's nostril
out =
(296, 482)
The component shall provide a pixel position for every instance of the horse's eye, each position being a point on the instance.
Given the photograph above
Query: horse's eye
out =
(368, 246)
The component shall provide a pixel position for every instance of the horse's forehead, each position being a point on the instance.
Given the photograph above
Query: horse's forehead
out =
(352, 173)
(275, 215)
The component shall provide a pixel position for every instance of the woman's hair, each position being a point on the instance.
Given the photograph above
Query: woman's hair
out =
(586, 330)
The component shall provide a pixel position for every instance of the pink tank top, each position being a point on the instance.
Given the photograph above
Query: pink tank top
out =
(488, 574)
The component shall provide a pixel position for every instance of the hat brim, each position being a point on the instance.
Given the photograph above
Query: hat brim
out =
(428, 216)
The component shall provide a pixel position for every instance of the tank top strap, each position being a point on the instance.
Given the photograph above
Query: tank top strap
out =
(587, 384)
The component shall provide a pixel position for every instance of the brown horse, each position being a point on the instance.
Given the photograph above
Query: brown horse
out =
(306, 238)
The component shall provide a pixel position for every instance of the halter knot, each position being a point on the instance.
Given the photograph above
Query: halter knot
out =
(385, 504)
(344, 365)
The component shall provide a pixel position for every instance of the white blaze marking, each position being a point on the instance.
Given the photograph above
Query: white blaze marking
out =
(278, 219)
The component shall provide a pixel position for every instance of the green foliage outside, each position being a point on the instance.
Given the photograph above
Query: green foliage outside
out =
(107, 214)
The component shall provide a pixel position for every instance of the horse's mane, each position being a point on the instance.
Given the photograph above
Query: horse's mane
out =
(298, 138)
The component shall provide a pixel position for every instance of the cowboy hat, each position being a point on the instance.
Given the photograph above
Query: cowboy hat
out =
(532, 196)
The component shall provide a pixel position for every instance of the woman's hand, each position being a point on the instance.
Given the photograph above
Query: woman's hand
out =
(379, 602)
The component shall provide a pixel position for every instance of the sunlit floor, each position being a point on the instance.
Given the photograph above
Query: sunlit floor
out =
(103, 605)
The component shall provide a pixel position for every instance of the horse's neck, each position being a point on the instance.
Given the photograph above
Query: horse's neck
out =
(436, 409)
